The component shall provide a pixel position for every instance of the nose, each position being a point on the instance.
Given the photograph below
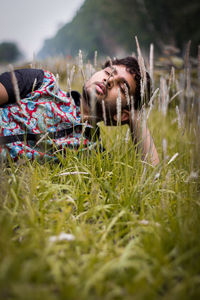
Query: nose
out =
(109, 82)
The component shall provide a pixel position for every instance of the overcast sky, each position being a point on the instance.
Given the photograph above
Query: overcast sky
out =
(30, 22)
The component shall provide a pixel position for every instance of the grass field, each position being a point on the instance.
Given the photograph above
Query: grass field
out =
(108, 225)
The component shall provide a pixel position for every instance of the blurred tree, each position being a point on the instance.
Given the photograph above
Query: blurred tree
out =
(9, 52)
(109, 26)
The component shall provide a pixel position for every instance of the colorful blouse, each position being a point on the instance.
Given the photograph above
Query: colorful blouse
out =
(46, 110)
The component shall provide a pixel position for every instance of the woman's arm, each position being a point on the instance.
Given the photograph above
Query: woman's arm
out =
(142, 139)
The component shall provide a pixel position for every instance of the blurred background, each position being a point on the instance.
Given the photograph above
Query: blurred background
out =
(50, 28)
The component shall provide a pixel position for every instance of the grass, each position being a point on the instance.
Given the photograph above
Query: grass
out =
(135, 228)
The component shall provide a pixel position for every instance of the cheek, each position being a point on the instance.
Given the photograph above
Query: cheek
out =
(111, 98)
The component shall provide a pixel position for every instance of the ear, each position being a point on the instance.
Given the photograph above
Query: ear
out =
(125, 115)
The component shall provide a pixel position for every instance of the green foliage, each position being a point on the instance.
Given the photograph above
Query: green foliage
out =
(135, 227)
(9, 52)
(135, 235)
(110, 27)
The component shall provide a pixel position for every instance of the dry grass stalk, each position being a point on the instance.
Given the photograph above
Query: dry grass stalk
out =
(104, 112)
(127, 137)
(143, 82)
(41, 139)
(164, 96)
(143, 174)
(132, 110)
(69, 86)
(34, 85)
(15, 85)
(144, 121)
(119, 107)
(187, 55)
(83, 76)
(164, 146)
(93, 106)
(171, 80)
(127, 95)
(173, 97)
(173, 158)
(80, 60)
(72, 74)
(56, 90)
(80, 65)
(151, 102)
(67, 68)
(95, 59)
(151, 65)
(178, 117)
(16, 91)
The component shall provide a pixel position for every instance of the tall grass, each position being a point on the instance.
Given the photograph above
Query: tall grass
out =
(134, 228)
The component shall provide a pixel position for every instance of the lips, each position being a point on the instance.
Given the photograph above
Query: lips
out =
(100, 88)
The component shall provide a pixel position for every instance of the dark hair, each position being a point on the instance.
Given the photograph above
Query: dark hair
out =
(132, 67)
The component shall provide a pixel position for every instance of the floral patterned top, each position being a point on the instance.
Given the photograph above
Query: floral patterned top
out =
(46, 110)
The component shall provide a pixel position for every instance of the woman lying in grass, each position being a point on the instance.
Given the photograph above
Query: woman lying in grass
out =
(37, 118)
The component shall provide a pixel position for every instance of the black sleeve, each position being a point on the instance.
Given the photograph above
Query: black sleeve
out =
(25, 80)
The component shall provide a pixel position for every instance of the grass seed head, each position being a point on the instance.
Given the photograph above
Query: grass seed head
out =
(119, 107)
